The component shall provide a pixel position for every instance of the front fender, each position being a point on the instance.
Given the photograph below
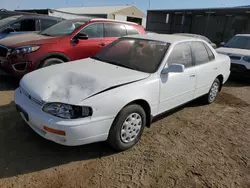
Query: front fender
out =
(108, 104)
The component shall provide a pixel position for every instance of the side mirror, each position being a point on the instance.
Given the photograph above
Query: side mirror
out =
(177, 68)
(222, 44)
(81, 36)
(9, 30)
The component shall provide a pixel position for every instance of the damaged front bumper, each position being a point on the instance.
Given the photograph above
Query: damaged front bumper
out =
(77, 131)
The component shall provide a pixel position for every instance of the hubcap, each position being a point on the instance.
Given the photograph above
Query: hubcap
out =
(131, 127)
(214, 91)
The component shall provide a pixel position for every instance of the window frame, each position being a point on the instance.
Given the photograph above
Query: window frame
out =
(206, 47)
(105, 30)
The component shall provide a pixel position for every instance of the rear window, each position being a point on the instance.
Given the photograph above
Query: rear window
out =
(131, 30)
(115, 30)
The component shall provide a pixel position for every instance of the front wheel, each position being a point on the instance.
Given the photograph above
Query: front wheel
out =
(213, 92)
(50, 62)
(127, 128)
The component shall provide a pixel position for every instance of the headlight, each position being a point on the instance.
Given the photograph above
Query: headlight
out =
(25, 50)
(67, 111)
(247, 59)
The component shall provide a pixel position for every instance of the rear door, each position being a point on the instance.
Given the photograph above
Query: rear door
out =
(206, 67)
(90, 47)
(114, 31)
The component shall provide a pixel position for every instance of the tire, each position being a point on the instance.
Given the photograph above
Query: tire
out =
(213, 92)
(124, 124)
(50, 61)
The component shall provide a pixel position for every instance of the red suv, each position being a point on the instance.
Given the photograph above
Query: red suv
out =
(66, 41)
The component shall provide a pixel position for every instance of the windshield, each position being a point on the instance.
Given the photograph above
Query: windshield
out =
(137, 54)
(242, 42)
(7, 20)
(63, 28)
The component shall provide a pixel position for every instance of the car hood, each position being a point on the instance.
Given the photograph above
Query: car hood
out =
(27, 39)
(76, 81)
(229, 51)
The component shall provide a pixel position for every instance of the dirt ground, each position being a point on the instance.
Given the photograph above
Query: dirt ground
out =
(194, 146)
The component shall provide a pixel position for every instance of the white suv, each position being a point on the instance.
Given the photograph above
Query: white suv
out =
(238, 49)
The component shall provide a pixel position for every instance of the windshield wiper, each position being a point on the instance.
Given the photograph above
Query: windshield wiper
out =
(45, 34)
(113, 62)
(119, 64)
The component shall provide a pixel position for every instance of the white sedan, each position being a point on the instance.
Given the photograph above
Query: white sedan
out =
(115, 94)
(238, 49)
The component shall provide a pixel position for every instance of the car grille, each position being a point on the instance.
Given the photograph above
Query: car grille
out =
(3, 51)
(235, 57)
(37, 102)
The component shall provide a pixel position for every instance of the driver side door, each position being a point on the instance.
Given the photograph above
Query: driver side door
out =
(178, 88)
(81, 49)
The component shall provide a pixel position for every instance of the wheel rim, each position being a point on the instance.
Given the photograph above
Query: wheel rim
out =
(214, 91)
(131, 127)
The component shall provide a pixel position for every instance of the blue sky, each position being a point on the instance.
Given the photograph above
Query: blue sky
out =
(142, 4)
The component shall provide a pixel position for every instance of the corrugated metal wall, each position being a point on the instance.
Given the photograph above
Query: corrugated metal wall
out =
(218, 28)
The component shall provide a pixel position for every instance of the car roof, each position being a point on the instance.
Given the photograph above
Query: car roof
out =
(243, 35)
(164, 38)
(87, 19)
(37, 16)
(189, 34)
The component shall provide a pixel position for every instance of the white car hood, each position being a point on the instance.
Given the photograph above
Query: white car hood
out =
(75, 81)
(230, 51)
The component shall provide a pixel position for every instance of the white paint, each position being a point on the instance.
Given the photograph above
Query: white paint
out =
(63, 83)
(144, 22)
(167, 18)
(74, 82)
(120, 17)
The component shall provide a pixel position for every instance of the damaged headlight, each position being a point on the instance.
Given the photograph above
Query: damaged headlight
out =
(67, 111)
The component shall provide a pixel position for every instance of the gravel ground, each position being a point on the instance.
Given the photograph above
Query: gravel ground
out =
(194, 146)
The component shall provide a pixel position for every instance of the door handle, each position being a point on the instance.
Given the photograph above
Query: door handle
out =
(192, 75)
(215, 68)
(102, 44)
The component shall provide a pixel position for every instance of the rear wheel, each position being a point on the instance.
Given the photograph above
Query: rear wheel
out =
(127, 128)
(213, 92)
(51, 61)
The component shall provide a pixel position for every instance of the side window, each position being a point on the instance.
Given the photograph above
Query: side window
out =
(210, 53)
(200, 53)
(131, 30)
(115, 30)
(181, 54)
(45, 23)
(25, 25)
(94, 30)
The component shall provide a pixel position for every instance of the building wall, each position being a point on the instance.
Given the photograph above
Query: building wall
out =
(120, 17)
(217, 28)
(132, 12)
